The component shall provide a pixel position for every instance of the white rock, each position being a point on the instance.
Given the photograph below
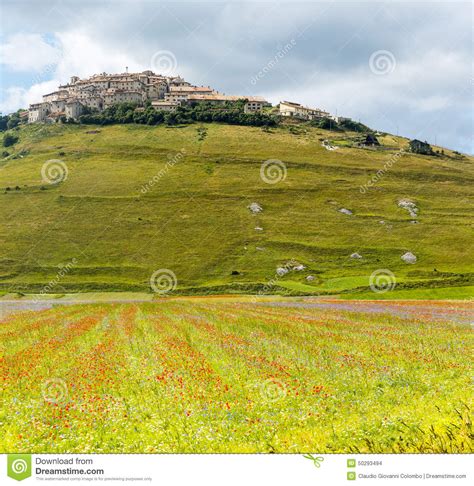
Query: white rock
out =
(356, 255)
(259, 248)
(345, 211)
(281, 271)
(257, 228)
(255, 208)
(382, 222)
(309, 278)
(408, 257)
(410, 206)
(299, 267)
(328, 146)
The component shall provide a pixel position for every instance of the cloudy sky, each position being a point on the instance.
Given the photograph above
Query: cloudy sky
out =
(403, 67)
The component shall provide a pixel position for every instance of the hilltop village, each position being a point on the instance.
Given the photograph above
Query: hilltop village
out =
(165, 93)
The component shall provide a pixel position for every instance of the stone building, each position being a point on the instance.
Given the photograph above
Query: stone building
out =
(162, 105)
(165, 93)
(38, 112)
(252, 103)
(73, 109)
(182, 93)
(102, 90)
(291, 109)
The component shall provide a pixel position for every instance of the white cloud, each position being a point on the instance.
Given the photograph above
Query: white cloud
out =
(16, 97)
(28, 52)
(78, 54)
(83, 56)
(13, 99)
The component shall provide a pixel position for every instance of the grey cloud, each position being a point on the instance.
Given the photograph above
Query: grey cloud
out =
(226, 45)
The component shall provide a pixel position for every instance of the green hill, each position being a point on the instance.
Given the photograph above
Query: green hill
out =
(130, 205)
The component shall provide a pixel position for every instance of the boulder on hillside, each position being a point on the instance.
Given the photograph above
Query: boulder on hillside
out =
(299, 267)
(291, 266)
(409, 257)
(255, 208)
(410, 206)
(281, 271)
(356, 255)
(346, 211)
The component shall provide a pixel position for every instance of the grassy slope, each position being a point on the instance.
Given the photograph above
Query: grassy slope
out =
(195, 220)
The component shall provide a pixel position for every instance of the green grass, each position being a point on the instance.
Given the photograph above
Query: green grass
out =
(194, 220)
(448, 293)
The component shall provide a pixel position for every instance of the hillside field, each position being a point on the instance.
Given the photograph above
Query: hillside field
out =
(138, 199)
(237, 375)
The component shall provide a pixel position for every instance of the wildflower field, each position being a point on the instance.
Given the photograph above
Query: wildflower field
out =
(235, 375)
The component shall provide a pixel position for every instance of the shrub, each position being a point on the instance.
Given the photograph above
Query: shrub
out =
(326, 124)
(14, 121)
(353, 126)
(3, 122)
(9, 140)
(230, 112)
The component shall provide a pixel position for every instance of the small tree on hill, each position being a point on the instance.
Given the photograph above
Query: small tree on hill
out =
(13, 121)
(9, 140)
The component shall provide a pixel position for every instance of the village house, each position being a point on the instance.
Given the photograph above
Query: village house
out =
(73, 109)
(253, 103)
(181, 93)
(340, 119)
(162, 105)
(291, 109)
(38, 112)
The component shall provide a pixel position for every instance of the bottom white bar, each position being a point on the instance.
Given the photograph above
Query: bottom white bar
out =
(238, 470)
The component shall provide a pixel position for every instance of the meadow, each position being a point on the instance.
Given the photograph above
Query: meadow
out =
(136, 199)
(236, 374)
